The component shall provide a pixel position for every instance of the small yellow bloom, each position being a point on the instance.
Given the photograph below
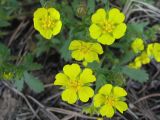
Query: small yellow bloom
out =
(144, 58)
(107, 26)
(140, 60)
(76, 83)
(110, 98)
(47, 22)
(85, 51)
(153, 50)
(137, 45)
(7, 75)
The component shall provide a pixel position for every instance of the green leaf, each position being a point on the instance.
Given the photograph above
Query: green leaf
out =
(4, 23)
(19, 84)
(135, 30)
(4, 53)
(91, 6)
(115, 77)
(127, 57)
(91, 109)
(65, 53)
(29, 64)
(42, 45)
(34, 84)
(101, 80)
(138, 75)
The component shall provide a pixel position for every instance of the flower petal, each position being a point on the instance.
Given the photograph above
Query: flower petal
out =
(95, 31)
(77, 55)
(91, 56)
(97, 48)
(61, 79)
(87, 76)
(54, 13)
(69, 95)
(40, 13)
(99, 16)
(106, 39)
(106, 89)
(116, 16)
(75, 45)
(121, 106)
(107, 110)
(57, 28)
(150, 49)
(37, 24)
(72, 70)
(119, 92)
(119, 31)
(85, 93)
(99, 100)
(46, 33)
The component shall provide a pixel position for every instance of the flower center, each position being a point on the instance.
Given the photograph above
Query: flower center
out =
(48, 22)
(85, 48)
(75, 84)
(108, 26)
(110, 100)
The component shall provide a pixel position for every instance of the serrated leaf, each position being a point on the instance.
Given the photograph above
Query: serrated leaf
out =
(34, 84)
(29, 64)
(136, 74)
(4, 53)
(19, 84)
(101, 80)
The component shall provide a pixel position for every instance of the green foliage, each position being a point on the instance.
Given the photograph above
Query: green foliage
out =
(19, 84)
(138, 75)
(134, 30)
(90, 110)
(4, 53)
(20, 71)
(29, 64)
(100, 81)
(33, 83)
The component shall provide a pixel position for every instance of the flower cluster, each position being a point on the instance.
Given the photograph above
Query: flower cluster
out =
(143, 58)
(47, 22)
(140, 60)
(76, 83)
(86, 51)
(110, 98)
(107, 26)
(153, 51)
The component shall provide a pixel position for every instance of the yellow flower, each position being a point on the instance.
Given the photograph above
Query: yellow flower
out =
(153, 50)
(137, 45)
(140, 60)
(76, 83)
(110, 98)
(47, 22)
(150, 49)
(7, 75)
(85, 51)
(135, 65)
(144, 58)
(107, 26)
